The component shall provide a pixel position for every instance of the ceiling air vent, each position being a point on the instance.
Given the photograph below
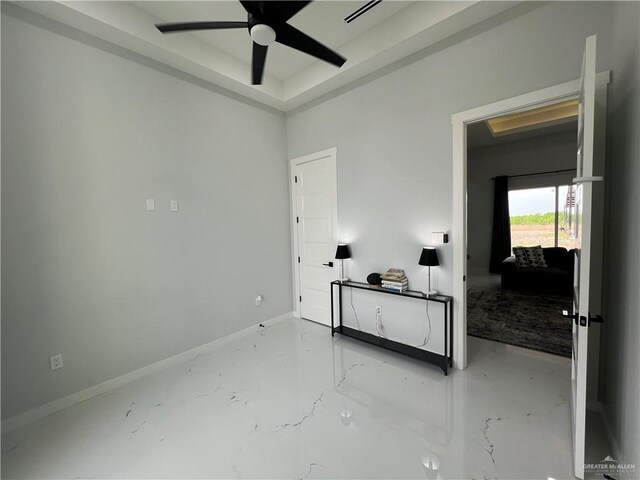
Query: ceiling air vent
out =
(361, 11)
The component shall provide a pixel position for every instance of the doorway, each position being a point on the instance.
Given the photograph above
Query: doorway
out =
(459, 235)
(590, 146)
(519, 202)
(314, 202)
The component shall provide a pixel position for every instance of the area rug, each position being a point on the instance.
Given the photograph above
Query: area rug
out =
(523, 319)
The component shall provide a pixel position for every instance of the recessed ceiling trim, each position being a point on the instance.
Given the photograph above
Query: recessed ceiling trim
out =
(546, 116)
(411, 29)
(130, 27)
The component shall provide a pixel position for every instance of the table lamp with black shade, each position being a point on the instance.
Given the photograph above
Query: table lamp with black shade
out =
(429, 258)
(342, 252)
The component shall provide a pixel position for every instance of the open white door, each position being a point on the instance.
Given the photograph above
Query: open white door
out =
(583, 265)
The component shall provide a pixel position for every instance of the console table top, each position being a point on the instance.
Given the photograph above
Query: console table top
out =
(406, 293)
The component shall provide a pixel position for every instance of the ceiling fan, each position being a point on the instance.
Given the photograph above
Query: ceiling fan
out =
(267, 23)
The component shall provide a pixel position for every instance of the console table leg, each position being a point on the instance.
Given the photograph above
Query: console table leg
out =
(451, 333)
(446, 339)
(340, 307)
(331, 293)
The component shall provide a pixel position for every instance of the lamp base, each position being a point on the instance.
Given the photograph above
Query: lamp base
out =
(430, 293)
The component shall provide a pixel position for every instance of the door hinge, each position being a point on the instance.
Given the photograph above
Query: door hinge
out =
(296, 178)
(298, 259)
(297, 219)
(300, 297)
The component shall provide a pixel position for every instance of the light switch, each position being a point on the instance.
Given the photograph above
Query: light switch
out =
(151, 204)
(439, 238)
(173, 205)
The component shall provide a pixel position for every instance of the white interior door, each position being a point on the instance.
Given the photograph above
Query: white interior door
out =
(585, 231)
(316, 220)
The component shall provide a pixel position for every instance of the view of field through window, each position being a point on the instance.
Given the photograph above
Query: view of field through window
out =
(533, 213)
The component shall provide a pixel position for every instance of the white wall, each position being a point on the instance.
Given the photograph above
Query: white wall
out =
(87, 272)
(393, 134)
(622, 261)
(539, 154)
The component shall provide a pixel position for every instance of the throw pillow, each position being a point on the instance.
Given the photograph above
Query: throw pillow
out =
(521, 257)
(522, 261)
(528, 257)
(536, 257)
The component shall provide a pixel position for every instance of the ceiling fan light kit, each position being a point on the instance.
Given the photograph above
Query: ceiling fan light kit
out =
(267, 23)
(263, 34)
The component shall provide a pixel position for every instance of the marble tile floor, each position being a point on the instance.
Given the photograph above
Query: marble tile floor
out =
(289, 401)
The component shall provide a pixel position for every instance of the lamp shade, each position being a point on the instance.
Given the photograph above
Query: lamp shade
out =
(342, 251)
(429, 257)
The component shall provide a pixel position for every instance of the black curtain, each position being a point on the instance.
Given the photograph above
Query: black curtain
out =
(501, 234)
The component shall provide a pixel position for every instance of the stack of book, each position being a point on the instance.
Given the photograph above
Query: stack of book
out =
(395, 279)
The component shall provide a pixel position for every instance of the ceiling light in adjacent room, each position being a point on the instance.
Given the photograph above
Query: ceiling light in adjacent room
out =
(546, 116)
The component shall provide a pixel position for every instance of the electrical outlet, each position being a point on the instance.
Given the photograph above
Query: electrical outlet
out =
(258, 300)
(378, 311)
(56, 362)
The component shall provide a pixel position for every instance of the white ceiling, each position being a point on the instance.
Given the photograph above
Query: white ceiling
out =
(385, 34)
(322, 20)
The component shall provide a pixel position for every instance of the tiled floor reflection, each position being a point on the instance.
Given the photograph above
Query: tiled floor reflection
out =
(288, 401)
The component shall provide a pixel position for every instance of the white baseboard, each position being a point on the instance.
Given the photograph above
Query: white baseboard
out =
(37, 413)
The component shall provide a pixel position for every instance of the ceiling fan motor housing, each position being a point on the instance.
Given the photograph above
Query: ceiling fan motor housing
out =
(261, 33)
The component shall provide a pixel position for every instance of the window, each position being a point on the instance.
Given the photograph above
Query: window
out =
(543, 216)
(567, 224)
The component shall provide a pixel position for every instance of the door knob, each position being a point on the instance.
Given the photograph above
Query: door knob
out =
(583, 321)
(330, 264)
(574, 316)
(596, 319)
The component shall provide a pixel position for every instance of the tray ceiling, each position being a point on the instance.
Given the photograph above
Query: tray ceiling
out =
(322, 20)
(387, 33)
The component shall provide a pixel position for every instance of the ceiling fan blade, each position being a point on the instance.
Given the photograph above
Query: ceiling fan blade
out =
(187, 26)
(294, 38)
(258, 60)
(283, 11)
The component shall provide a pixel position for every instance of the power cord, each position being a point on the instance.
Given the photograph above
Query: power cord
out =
(354, 310)
(379, 326)
(427, 337)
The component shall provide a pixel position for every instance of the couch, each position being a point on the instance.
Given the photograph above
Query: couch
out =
(554, 279)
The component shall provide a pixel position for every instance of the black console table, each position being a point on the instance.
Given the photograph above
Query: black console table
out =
(443, 361)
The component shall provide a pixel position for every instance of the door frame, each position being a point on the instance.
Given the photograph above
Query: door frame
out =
(332, 154)
(459, 121)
